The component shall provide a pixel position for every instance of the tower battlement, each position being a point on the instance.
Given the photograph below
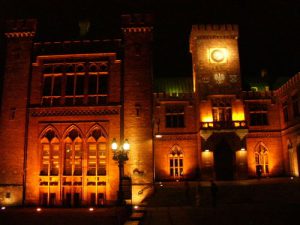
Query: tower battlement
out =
(137, 22)
(20, 28)
(214, 31)
(291, 84)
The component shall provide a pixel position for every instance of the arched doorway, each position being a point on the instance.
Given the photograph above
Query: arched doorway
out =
(223, 161)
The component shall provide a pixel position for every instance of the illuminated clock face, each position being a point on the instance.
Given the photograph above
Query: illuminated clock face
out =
(218, 55)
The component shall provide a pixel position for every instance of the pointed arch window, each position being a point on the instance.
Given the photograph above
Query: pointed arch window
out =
(97, 154)
(176, 162)
(261, 159)
(73, 154)
(50, 155)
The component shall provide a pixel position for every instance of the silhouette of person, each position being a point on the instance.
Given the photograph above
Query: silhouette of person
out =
(258, 171)
(214, 190)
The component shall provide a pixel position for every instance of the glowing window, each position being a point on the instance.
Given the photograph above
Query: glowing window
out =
(97, 152)
(261, 159)
(50, 154)
(73, 154)
(176, 162)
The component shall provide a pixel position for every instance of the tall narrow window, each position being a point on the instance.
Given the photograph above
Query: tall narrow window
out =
(52, 84)
(176, 162)
(258, 114)
(97, 153)
(174, 116)
(45, 157)
(73, 154)
(50, 154)
(92, 157)
(74, 89)
(221, 114)
(261, 159)
(285, 112)
(54, 158)
(98, 88)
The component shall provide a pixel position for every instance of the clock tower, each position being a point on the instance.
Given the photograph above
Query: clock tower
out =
(216, 68)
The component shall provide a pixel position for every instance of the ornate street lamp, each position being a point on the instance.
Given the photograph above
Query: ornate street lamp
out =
(120, 155)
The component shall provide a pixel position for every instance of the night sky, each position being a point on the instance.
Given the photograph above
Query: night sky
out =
(269, 29)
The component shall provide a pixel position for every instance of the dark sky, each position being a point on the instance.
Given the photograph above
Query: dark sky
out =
(269, 29)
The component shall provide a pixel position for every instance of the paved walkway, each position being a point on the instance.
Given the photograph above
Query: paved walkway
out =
(249, 202)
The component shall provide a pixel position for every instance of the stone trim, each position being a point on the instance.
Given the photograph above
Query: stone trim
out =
(74, 113)
(137, 29)
(19, 34)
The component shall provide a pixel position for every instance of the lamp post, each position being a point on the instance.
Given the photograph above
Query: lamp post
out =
(120, 155)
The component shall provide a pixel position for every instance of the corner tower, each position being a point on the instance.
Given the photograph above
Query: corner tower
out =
(19, 35)
(137, 31)
(216, 67)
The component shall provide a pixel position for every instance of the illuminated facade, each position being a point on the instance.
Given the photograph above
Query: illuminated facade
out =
(65, 102)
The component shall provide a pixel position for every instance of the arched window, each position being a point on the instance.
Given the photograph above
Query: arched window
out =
(50, 154)
(97, 153)
(176, 162)
(261, 159)
(73, 153)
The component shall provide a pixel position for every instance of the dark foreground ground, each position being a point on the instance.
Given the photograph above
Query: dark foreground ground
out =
(269, 201)
(58, 216)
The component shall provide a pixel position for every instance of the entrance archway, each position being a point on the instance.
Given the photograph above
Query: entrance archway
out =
(224, 161)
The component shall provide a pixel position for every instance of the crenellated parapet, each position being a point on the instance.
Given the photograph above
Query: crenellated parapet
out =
(20, 28)
(77, 47)
(137, 23)
(292, 84)
(215, 31)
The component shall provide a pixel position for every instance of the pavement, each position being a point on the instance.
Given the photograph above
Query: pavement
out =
(63, 216)
(267, 201)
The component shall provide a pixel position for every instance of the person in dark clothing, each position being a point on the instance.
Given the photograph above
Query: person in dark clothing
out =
(214, 190)
(258, 171)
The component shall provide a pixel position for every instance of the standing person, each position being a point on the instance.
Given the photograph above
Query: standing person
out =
(258, 171)
(214, 190)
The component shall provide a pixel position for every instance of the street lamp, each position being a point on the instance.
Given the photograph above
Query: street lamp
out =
(120, 155)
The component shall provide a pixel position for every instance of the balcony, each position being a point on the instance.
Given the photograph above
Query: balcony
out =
(218, 125)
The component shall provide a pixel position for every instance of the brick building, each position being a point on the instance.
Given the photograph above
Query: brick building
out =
(64, 103)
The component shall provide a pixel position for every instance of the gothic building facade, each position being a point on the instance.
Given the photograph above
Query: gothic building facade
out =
(64, 103)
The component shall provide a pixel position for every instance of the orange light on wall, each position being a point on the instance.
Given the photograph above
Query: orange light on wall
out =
(238, 113)
(207, 118)
(207, 158)
(241, 156)
(206, 112)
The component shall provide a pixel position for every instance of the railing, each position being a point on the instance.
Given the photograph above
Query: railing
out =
(224, 125)
(249, 95)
